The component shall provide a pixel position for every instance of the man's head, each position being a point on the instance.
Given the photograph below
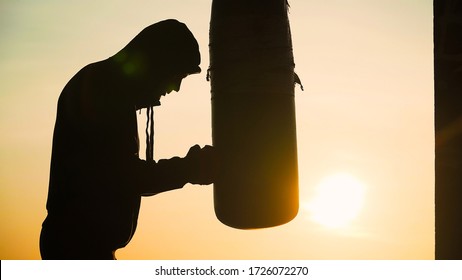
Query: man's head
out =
(157, 59)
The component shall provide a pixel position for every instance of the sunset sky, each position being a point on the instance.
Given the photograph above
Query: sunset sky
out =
(364, 128)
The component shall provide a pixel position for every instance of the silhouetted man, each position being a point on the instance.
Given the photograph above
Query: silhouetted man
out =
(97, 178)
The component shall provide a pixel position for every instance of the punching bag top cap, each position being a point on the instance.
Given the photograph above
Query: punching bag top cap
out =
(168, 44)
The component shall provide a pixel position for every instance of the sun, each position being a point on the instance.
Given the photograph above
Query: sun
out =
(338, 200)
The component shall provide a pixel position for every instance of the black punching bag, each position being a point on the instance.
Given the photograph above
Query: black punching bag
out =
(253, 113)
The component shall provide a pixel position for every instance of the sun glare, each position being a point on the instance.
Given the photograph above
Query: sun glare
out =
(338, 200)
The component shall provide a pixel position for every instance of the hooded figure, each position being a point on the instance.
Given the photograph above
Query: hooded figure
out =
(96, 177)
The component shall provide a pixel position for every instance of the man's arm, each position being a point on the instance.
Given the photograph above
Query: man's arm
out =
(198, 167)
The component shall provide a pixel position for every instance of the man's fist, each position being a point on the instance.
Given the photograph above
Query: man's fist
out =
(201, 165)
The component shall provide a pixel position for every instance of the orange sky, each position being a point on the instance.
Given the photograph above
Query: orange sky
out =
(367, 110)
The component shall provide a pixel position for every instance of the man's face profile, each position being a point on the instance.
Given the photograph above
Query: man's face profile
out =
(150, 93)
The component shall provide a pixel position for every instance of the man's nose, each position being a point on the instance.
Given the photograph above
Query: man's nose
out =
(177, 85)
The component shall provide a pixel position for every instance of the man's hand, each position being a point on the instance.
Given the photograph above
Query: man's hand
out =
(201, 165)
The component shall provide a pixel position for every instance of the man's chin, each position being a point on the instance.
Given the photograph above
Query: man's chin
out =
(153, 104)
(148, 105)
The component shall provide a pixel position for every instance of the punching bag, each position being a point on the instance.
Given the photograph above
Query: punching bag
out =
(253, 113)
